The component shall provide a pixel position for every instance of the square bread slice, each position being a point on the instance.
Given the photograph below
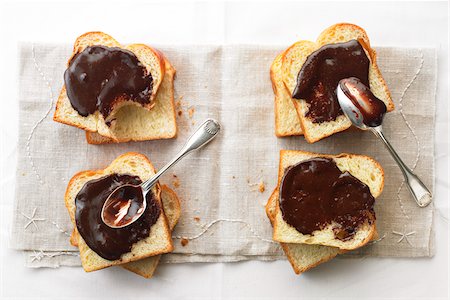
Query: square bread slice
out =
(137, 122)
(301, 256)
(366, 169)
(159, 240)
(293, 59)
(147, 266)
(287, 122)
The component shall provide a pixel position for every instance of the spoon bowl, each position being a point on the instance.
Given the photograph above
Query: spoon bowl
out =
(125, 204)
(350, 110)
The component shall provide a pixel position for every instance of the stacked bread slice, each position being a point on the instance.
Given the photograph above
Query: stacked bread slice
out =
(132, 122)
(145, 254)
(291, 114)
(307, 251)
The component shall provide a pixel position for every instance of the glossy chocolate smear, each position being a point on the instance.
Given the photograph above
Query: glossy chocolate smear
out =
(320, 74)
(371, 108)
(315, 193)
(99, 75)
(107, 242)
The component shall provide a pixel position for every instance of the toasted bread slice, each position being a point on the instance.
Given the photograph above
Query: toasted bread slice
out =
(147, 266)
(301, 256)
(136, 124)
(366, 169)
(155, 63)
(287, 122)
(293, 59)
(159, 240)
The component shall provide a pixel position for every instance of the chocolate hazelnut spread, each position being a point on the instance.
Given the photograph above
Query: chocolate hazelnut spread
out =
(99, 75)
(315, 193)
(321, 73)
(107, 242)
(371, 108)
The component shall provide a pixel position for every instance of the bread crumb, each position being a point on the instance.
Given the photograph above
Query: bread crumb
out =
(191, 112)
(196, 219)
(261, 187)
(184, 242)
(193, 122)
(178, 103)
(175, 181)
(180, 112)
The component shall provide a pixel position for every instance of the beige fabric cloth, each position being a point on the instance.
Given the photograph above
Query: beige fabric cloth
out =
(219, 185)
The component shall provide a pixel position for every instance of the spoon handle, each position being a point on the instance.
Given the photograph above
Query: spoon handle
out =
(203, 135)
(420, 192)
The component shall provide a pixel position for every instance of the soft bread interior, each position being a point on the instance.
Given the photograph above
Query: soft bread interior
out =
(136, 124)
(287, 122)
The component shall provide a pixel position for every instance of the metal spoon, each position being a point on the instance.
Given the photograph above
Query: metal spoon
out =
(420, 192)
(115, 211)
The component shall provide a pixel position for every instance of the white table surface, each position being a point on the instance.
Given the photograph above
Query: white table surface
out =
(402, 24)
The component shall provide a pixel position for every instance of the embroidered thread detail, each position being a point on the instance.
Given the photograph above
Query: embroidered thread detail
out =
(41, 254)
(404, 236)
(59, 228)
(30, 136)
(379, 240)
(225, 220)
(416, 138)
(32, 219)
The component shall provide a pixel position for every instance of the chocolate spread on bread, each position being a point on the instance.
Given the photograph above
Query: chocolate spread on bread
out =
(107, 242)
(321, 73)
(98, 76)
(371, 108)
(315, 193)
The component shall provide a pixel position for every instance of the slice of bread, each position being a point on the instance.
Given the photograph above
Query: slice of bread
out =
(150, 58)
(137, 124)
(364, 168)
(287, 122)
(159, 240)
(159, 115)
(147, 266)
(301, 256)
(293, 59)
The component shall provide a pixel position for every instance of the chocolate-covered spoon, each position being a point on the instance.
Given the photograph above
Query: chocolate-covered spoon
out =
(366, 112)
(127, 202)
